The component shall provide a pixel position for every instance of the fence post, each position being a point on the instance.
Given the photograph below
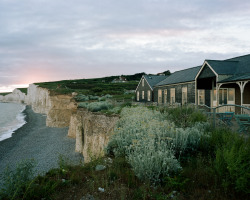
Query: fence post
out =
(214, 117)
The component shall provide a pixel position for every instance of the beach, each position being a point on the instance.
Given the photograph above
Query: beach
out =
(36, 141)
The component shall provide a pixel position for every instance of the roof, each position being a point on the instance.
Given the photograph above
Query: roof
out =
(154, 79)
(237, 77)
(182, 76)
(223, 67)
(238, 67)
(244, 64)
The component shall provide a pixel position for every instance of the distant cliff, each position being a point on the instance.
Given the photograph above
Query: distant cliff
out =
(17, 96)
(91, 130)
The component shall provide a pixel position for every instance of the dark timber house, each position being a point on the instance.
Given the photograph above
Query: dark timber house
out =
(216, 82)
(179, 87)
(144, 90)
(228, 81)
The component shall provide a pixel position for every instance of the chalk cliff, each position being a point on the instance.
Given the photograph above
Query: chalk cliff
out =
(17, 96)
(58, 108)
(92, 132)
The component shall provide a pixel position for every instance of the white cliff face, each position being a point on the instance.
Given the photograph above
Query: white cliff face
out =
(39, 99)
(92, 132)
(58, 108)
(16, 96)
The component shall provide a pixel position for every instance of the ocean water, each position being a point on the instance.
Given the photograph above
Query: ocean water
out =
(11, 118)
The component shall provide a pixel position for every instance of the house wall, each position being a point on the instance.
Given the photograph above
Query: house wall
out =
(206, 73)
(178, 92)
(144, 88)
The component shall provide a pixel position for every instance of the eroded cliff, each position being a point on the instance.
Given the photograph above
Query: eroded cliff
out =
(92, 132)
(58, 108)
(17, 96)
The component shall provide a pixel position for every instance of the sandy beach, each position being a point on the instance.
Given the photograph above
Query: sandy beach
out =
(36, 141)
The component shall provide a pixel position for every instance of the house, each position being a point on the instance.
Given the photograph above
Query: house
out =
(121, 79)
(179, 87)
(216, 82)
(228, 81)
(144, 90)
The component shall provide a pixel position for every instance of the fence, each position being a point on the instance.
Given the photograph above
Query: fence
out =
(225, 114)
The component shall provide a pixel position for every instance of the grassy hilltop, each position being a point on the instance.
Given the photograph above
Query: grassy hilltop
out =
(95, 86)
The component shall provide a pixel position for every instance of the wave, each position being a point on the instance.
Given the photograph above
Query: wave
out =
(19, 120)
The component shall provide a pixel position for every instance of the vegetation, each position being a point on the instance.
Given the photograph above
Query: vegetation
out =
(151, 156)
(23, 90)
(97, 86)
(5, 93)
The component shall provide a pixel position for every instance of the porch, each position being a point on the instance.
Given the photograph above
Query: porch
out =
(214, 94)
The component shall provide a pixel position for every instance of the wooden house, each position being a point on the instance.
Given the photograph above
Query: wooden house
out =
(215, 83)
(228, 81)
(144, 90)
(179, 87)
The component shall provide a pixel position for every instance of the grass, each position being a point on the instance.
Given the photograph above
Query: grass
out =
(197, 181)
(97, 86)
(23, 90)
(5, 93)
(219, 169)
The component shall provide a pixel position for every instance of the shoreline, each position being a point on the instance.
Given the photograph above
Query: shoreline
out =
(34, 140)
(23, 115)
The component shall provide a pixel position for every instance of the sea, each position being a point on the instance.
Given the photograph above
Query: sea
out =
(11, 118)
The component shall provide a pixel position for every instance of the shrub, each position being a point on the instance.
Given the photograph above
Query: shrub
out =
(149, 141)
(152, 160)
(185, 116)
(15, 182)
(232, 161)
(81, 97)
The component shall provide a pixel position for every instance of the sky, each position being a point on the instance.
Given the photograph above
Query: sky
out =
(49, 40)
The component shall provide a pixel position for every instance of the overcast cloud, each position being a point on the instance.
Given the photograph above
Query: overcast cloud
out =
(44, 40)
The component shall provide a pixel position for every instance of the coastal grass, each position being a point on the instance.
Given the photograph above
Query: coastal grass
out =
(5, 93)
(97, 86)
(198, 180)
(23, 90)
(217, 169)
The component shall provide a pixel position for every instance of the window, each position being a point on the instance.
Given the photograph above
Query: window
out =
(201, 97)
(149, 95)
(214, 96)
(222, 96)
(184, 95)
(159, 96)
(138, 96)
(165, 95)
(142, 94)
(172, 95)
(142, 82)
(231, 94)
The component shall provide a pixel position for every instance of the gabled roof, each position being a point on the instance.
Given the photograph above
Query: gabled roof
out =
(186, 75)
(238, 68)
(223, 67)
(244, 64)
(238, 77)
(154, 79)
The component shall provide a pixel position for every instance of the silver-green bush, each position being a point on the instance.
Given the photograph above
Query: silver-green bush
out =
(149, 141)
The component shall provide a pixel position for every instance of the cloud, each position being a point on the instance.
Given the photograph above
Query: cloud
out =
(52, 40)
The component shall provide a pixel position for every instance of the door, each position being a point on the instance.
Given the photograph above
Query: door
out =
(227, 96)
(231, 99)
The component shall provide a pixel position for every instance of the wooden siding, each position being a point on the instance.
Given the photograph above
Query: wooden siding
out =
(144, 88)
(178, 92)
(206, 73)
